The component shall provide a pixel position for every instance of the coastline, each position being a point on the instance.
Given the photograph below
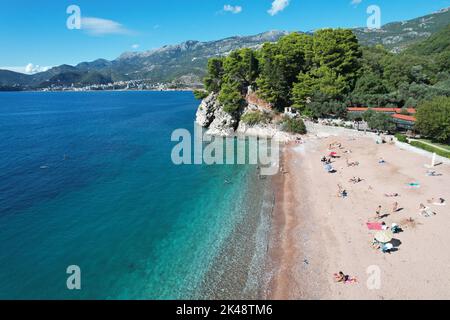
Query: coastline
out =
(315, 233)
(238, 268)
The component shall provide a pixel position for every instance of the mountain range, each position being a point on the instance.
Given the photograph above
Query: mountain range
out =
(184, 64)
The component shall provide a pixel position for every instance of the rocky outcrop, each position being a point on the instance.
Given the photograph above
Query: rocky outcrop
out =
(206, 111)
(223, 124)
(210, 115)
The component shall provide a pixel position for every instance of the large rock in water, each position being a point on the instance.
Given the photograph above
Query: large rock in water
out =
(205, 113)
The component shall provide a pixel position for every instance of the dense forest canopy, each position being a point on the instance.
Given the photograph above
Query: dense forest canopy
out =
(324, 73)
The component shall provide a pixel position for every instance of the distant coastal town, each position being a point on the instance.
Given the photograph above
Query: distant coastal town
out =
(132, 85)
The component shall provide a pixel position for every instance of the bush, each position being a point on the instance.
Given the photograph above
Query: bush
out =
(401, 137)
(254, 118)
(294, 126)
(200, 94)
(429, 148)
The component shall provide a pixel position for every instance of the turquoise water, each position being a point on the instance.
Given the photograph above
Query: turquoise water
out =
(86, 179)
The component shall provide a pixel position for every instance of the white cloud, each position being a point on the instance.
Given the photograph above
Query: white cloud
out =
(28, 69)
(356, 2)
(232, 9)
(99, 26)
(135, 46)
(278, 6)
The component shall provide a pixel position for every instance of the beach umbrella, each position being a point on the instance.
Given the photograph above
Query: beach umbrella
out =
(384, 236)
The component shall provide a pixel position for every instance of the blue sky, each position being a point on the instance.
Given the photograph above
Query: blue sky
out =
(34, 33)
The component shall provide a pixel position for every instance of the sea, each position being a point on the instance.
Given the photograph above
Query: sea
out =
(93, 207)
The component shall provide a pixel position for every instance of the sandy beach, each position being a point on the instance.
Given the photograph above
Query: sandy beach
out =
(316, 233)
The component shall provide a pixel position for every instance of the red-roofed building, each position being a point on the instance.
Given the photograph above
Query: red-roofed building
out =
(401, 120)
(384, 110)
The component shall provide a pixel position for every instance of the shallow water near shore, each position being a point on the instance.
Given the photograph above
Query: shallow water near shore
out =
(87, 180)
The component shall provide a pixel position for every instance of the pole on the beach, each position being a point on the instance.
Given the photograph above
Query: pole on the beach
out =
(433, 161)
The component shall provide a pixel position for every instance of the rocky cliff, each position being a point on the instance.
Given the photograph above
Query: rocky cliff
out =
(210, 115)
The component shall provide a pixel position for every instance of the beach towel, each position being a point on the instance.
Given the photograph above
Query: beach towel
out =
(413, 185)
(374, 226)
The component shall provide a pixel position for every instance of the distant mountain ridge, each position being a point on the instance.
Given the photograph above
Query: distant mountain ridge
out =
(397, 36)
(185, 63)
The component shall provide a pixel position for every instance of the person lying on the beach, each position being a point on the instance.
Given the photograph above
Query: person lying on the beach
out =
(438, 202)
(391, 195)
(342, 193)
(343, 278)
(381, 161)
(426, 211)
(395, 207)
(352, 164)
(432, 173)
(378, 212)
(355, 180)
(384, 247)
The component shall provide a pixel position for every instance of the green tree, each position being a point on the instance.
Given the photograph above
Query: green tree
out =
(338, 50)
(280, 65)
(231, 97)
(241, 66)
(323, 80)
(378, 121)
(433, 119)
(213, 80)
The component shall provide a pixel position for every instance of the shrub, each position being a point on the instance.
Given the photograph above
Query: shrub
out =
(401, 137)
(254, 118)
(294, 126)
(200, 94)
